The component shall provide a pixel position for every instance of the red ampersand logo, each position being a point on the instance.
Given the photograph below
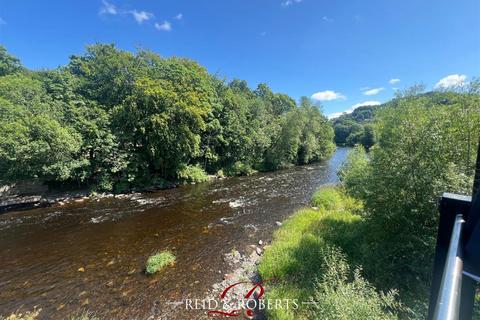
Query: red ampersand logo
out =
(237, 312)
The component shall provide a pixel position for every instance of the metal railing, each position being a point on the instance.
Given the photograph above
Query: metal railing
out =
(448, 303)
(456, 269)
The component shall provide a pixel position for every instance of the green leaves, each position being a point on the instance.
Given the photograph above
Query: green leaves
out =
(8, 63)
(115, 120)
(425, 147)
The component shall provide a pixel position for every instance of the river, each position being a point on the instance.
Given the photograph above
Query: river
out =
(90, 255)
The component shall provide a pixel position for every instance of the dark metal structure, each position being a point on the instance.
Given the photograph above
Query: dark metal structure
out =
(456, 268)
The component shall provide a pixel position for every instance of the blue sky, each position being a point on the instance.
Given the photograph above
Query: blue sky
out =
(342, 53)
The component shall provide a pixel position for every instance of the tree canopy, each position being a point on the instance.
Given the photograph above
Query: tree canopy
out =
(114, 120)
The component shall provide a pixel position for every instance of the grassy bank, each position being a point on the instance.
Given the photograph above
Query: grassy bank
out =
(314, 258)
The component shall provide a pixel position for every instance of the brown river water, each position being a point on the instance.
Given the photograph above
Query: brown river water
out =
(43, 251)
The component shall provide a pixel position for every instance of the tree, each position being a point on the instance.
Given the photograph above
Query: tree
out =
(422, 151)
(8, 64)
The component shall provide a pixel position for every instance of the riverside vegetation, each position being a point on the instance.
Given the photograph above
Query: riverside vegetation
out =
(112, 120)
(366, 250)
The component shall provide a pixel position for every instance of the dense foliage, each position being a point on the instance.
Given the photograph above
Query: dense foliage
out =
(355, 128)
(115, 120)
(426, 146)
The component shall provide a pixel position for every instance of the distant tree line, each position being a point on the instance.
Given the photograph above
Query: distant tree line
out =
(115, 120)
(355, 128)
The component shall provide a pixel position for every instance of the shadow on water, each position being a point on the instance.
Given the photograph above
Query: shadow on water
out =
(90, 255)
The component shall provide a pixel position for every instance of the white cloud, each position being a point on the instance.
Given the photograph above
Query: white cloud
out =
(165, 26)
(141, 16)
(352, 108)
(108, 8)
(328, 95)
(366, 103)
(2, 22)
(287, 3)
(179, 16)
(451, 81)
(327, 19)
(263, 33)
(394, 81)
(372, 92)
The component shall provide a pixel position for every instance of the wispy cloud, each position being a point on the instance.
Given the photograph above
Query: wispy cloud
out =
(2, 22)
(178, 16)
(108, 8)
(263, 33)
(141, 16)
(288, 3)
(327, 19)
(352, 108)
(328, 95)
(451, 81)
(165, 26)
(394, 81)
(372, 92)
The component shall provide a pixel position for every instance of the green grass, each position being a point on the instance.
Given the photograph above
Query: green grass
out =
(329, 198)
(313, 244)
(159, 261)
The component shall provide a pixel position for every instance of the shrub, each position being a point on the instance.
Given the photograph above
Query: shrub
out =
(159, 261)
(338, 297)
(191, 174)
(354, 172)
(239, 169)
(424, 149)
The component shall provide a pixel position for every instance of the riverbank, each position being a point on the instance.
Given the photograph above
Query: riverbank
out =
(313, 260)
(111, 239)
(24, 202)
(47, 198)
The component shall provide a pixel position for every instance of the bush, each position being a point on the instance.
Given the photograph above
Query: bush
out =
(354, 172)
(239, 169)
(159, 261)
(424, 149)
(338, 297)
(191, 174)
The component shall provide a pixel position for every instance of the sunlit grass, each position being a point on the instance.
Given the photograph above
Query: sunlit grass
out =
(302, 251)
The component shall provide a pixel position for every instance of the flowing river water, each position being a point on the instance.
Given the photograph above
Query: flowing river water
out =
(90, 255)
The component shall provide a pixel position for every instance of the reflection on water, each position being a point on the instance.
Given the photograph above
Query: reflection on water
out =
(44, 250)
